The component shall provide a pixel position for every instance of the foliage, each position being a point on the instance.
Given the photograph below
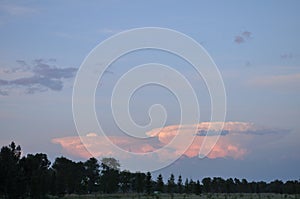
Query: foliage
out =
(32, 176)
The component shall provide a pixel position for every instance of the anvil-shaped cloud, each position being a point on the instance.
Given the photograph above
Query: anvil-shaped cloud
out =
(234, 142)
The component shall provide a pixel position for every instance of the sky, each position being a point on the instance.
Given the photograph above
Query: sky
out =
(254, 44)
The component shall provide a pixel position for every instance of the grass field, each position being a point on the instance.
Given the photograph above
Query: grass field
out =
(183, 196)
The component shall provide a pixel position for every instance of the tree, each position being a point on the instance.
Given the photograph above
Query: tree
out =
(244, 186)
(37, 175)
(179, 184)
(109, 179)
(275, 186)
(139, 182)
(160, 183)
(110, 162)
(171, 185)
(187, 188)
(192, 186)
(11, 176)
(92, 175)
(69, 176)
(125, 181)
(206, 184)
(148, 183)
(230, 188)
(218, 185)
(197, 189)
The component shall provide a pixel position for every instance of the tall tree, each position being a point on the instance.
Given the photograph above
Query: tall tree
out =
(245, 186)
(69, 176)
(179, 184)
(109, 179)
(92, 174)
(197, 189)
(139, 182)
(125, 181)
(160, 183)
(148, 183)
(206, 184)
(11, 176)
(171, 185)
(230, 186)
(187, 188)
(192, 186)
(37, 175)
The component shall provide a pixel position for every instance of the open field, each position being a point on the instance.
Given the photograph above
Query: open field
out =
(183, 196)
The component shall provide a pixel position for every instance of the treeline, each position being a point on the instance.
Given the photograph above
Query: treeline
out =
(33, 176)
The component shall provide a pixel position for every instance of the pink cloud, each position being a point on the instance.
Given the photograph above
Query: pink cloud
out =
(99, 146)
(230, 145)
(223, 148)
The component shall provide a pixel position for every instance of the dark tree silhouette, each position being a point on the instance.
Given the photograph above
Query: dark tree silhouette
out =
(109, 181)
(171, 185)
(192, 186)
(179, 184)
(11, 176)
(125, 181)
(187, 188)
(32, 177)
(139, 182)
(160, 183)
(206, 184)
(197, 188)
(69, 176)
(148, 183)
(230, 186)
(92, 174)
(37, 174)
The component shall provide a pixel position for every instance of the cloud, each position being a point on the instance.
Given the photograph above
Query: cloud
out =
(234, 142)
(238, 39)
(100, 146)
(267, 131)
(287, 56)
(3, 82)
(246, 34)
(212, 133)
(224, 148)
(243, 37)
(43, 75)
(53, 84)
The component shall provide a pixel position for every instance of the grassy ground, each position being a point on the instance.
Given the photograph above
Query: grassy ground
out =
(183, 196)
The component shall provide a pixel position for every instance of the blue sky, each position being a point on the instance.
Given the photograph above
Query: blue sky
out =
(255, 45)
